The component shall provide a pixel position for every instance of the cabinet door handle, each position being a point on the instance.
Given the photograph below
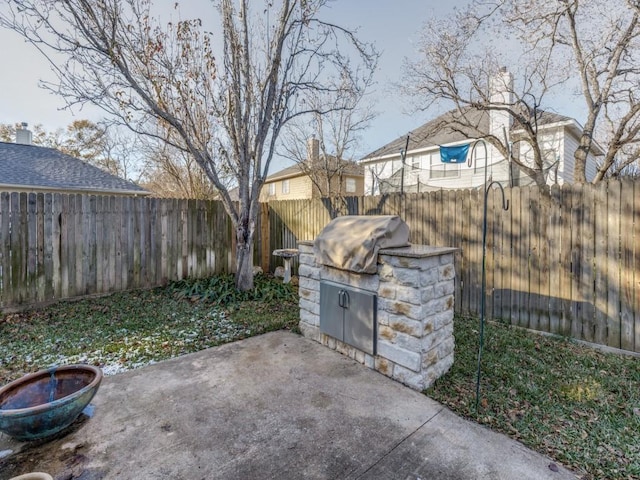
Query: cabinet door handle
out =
(343, 299)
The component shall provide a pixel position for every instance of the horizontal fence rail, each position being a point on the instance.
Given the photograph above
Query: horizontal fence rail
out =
(55, 246)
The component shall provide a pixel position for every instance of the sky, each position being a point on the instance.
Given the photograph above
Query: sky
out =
(392, 25)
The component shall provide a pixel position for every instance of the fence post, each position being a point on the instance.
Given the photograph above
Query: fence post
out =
(265, 240)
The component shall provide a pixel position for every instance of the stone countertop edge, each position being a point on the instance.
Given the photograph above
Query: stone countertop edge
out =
(411, 251)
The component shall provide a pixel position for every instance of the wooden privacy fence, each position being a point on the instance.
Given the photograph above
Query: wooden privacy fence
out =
(56, 246)
(567, 264)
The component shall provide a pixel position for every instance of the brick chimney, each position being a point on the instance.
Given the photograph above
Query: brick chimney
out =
(23, 134)
(313, 150)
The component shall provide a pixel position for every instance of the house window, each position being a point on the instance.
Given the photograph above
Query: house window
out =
(443, 170)
(351, 185)
(416, 162)
(272, 189)
(285, 187)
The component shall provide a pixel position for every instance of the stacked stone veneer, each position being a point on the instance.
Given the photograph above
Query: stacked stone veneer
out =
(415, 287)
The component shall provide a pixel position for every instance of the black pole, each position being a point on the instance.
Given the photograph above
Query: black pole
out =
(505, 206)
(403, 156)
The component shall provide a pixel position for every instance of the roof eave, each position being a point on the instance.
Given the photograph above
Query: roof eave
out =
(277, 177)
(388, 156)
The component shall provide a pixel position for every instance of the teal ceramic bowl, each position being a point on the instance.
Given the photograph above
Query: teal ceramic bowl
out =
(44, 403)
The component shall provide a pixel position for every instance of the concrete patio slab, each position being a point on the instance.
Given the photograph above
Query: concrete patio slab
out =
(277, 406)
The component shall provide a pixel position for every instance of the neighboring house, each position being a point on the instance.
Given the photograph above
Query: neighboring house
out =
(30, 168)
(301, 181)
(423, 169)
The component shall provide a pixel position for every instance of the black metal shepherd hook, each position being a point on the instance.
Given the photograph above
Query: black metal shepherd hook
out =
(480, 141)
(505, 206)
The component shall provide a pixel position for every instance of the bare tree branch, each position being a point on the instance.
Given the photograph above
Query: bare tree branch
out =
(548, 42)
(165, 82)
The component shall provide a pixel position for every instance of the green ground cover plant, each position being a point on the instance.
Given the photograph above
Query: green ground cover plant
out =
(131, 329)
(578, 405)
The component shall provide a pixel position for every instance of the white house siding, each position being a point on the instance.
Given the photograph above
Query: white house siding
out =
(570, 146)
(374, 171)
(552, 146)
(565, 169)
(558, 143)
(419, 169)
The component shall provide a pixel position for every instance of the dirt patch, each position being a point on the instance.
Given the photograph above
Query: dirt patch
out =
(54, 455)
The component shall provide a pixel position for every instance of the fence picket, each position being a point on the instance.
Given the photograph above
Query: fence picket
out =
(555, 260)
(586, 281)
(577, 240)
(613, 321)
(80, 246)
(32, 246)
(518, 266)
(100, 243)
(5, 245)
(91, 281)
(627, 245)
(45, 247)
(40, 283)
(601, 251)
(468, 250)
(635, 263)
(65, 249)
(459, 257)
(56, 248)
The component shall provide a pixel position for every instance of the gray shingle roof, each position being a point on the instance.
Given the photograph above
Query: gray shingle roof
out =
(447, 129)
(31, 166)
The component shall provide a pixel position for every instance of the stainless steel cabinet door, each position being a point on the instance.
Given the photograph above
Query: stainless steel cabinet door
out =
(349, 315)
(360, 320)
(331, 313)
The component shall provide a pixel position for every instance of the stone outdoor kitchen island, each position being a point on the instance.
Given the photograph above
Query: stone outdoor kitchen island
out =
(412, 332)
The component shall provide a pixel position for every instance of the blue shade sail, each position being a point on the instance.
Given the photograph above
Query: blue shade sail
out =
(456, 154)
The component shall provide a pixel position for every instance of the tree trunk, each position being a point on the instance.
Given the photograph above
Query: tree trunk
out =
(244, 258)
(580, 159)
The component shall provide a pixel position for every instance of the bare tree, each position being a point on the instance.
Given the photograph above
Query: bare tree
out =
(595, 41)
(227, 114)
(600, 41)
(82, 139)
(174, 173)
(457, 67)
(123, 154)
(325, 146)
(103, 145)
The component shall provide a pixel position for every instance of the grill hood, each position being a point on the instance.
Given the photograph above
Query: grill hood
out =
(352, 242)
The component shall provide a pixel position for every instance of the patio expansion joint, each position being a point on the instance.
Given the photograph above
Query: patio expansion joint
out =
(403, 440)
